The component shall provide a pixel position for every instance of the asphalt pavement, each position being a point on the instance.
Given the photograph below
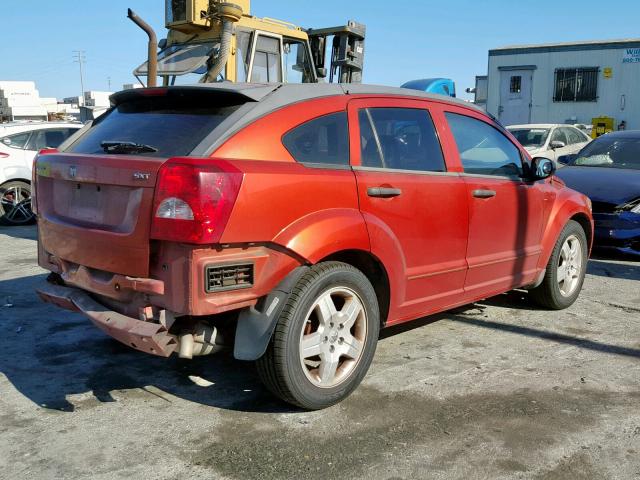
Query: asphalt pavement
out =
(498, 390)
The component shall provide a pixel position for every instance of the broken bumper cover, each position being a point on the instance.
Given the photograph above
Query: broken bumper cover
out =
(147, 337)
(619, 231)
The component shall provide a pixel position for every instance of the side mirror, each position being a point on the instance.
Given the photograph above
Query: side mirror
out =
(6, 141)
(542, 167)
(566, 159)
(557, 144)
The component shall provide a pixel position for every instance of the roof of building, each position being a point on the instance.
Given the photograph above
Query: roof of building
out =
(566, 46)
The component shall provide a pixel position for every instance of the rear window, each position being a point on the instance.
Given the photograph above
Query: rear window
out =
(173, 125)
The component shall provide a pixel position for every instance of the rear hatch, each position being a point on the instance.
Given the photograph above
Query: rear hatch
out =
(95, 197)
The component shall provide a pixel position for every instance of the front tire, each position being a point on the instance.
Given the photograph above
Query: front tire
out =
(15, 203)
(325, 338)
(566, 269)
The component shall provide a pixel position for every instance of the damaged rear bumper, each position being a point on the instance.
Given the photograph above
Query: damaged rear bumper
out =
(148, 337)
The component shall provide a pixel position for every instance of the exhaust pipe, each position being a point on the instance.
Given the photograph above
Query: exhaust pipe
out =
(199, 342)
(152, 62)
(229, 14)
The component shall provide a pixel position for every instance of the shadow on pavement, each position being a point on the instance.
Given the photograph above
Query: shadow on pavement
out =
(49, 354)
(27, 232)
(604, 268)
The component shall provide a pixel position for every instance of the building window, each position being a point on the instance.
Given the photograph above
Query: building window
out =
(516, 84)
(576, 85)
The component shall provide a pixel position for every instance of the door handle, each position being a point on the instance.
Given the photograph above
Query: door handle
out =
(383, 192)
(484, 193)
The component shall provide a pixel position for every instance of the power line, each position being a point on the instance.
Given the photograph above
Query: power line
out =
(80, 58)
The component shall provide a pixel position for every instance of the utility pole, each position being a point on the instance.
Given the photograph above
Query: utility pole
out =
(80, 58)
(109, 83)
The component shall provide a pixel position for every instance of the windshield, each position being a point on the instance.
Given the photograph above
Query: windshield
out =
(530, 137)
(613, 152)
(162, 126)
(181, 59)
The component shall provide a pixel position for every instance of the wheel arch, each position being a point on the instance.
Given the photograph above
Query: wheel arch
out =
(373, 269)
(571, 209)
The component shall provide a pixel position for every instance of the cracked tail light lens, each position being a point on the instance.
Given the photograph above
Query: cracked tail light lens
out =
(193, 200)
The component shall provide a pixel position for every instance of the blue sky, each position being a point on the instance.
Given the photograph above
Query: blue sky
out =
(405, 39)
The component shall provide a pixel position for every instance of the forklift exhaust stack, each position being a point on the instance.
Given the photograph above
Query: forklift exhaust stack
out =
(153, 47)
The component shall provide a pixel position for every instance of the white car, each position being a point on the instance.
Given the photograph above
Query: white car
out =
(19, 143)
(550, 140)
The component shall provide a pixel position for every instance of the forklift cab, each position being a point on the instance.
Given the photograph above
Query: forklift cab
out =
(260, 50)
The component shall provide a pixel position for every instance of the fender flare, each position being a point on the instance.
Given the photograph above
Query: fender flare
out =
(322, 233)
(558, 218)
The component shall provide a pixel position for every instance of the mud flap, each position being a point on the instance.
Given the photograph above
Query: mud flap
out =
(256, 325)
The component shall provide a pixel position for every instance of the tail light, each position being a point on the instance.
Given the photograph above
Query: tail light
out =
(4, 155)
(193, 200)
(34, 176)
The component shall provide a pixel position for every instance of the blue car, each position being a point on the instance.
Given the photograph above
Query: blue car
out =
(607, 170)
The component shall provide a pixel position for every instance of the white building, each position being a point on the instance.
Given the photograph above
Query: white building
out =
(20, 101)
(93, 98)
(566, 83)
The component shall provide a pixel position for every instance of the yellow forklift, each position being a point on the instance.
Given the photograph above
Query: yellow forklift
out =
(215, 41)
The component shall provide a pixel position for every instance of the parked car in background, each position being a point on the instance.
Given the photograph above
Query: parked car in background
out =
(19, 143)
(608, 171)
(549, 140)
(295, 221)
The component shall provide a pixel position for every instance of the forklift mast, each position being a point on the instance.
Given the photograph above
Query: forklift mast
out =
(347, 51)
(221, 41)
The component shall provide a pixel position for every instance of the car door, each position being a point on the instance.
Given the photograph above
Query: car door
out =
(410, 201)
(505, 212)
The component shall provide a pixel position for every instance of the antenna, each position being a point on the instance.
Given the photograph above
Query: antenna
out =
(80, 58)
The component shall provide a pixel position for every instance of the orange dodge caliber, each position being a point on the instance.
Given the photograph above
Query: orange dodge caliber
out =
(293, 222)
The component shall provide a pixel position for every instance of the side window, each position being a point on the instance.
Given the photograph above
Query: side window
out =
(559, 136)
(19, 140)
(323, 140)
(483, 149)
(267, 64)
(573, 136)
(399, 138)
(51, 138)
(296, 60)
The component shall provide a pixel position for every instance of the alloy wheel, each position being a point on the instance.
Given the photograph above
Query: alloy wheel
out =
(333, 337)
(569, 266)
(16, 204)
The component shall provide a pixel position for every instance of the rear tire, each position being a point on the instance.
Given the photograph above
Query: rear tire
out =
(566, 269)
(325, 338)
(15, 203)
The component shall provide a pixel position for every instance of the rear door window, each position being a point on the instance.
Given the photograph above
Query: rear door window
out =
(483, 149)
(400, 139)
(323, 140)
(48, 138)
(173, 124)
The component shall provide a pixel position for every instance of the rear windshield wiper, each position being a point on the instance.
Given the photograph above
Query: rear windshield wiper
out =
(126, 147)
